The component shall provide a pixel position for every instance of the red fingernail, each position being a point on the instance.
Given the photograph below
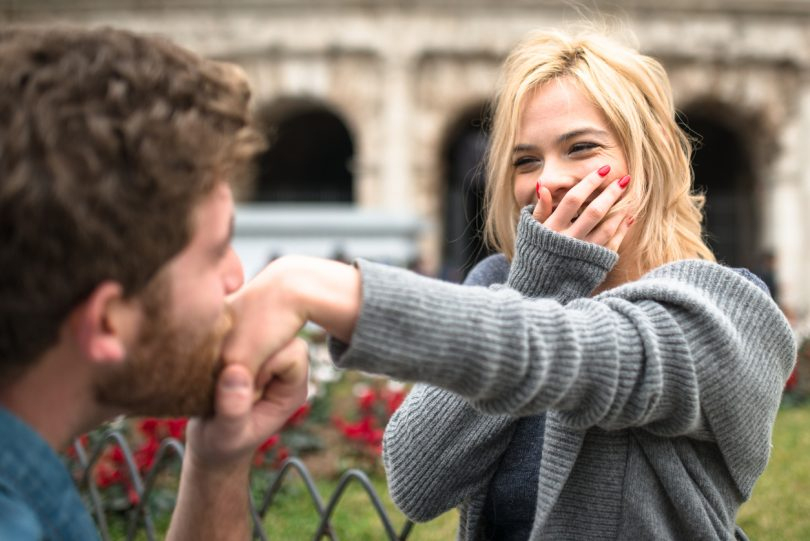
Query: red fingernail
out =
(604, 170)
(631, 220)
(537, 189)
(624, 181)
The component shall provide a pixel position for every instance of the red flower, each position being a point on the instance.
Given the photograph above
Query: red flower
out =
(149, 426)
(177, 427)
(792, 380)
(145, 455)
(107, 476)
(268, 443)
(374, 436)
(366, 399)
(132, 496)
(299, 416)
(116, 454)
(364, 431)
(393, 399)
(260, 456)
(283, 454)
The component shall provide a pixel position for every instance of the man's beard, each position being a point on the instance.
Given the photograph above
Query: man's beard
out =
(172, 369)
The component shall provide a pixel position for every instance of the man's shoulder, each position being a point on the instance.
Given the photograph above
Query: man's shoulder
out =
(38, 498)
(17, 520)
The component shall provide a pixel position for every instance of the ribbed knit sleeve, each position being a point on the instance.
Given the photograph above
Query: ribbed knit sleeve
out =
(440, 452)
(741, 349)
(687, 339)
(548, 264)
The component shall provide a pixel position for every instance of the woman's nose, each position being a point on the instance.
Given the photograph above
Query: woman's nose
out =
(557, 180)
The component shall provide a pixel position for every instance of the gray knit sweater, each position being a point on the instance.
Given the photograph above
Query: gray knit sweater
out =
(660, 394)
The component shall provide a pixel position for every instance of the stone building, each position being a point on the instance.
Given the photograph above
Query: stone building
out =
(377, 105)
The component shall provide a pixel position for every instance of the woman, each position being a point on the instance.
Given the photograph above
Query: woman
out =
(626, 390)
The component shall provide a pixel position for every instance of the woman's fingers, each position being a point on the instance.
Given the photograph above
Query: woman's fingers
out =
(603, 233)
(582, 215)
(569, 207)
(593, 214)
(542, 210)
(621, 231)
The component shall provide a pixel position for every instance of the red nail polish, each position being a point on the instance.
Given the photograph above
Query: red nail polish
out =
(631, 220)
(624, 181)
(537, 189)
(604, 170)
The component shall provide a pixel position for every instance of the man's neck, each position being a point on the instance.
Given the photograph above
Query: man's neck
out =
(54, 398)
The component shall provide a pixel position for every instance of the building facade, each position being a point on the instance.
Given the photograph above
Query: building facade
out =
(379, 104)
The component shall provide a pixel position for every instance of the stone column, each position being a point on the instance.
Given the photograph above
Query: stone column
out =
(395, 148)
(788, 216)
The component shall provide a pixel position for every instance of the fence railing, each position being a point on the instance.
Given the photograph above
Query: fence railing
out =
(140, 517)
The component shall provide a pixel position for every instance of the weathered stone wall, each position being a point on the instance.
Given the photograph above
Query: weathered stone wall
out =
(400, 73)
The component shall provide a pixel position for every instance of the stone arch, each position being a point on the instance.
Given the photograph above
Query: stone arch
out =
(725, 169)
(310, 155)
(462, 161)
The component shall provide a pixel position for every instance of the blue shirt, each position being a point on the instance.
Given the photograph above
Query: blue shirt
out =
(38, 499)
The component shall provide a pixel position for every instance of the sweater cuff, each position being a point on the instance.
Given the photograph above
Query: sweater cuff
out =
(386, 298)
(549, 264)
(397, 332)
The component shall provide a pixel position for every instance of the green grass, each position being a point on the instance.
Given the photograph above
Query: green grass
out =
(292, 515)
(780, 506)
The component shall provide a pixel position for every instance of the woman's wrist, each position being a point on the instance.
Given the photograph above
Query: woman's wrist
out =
(326, 292)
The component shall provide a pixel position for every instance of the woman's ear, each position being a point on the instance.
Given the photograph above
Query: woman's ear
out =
(105, 323)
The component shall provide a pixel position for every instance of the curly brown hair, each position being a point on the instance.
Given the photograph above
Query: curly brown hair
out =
(108, 139)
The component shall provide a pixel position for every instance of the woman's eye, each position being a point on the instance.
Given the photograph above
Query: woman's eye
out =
(525, 162)
(582, 147)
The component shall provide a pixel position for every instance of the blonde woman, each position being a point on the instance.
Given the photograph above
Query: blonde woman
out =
(623, 385)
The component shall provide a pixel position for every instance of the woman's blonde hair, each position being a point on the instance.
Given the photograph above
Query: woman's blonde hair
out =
(633, 92)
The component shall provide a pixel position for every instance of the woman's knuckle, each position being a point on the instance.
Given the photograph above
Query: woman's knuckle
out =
(571, 203)
(594, 212)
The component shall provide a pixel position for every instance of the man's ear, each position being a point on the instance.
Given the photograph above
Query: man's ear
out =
(105, 323)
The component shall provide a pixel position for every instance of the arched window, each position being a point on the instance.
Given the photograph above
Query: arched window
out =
(465, 179)
(310, 154)
(723, 171)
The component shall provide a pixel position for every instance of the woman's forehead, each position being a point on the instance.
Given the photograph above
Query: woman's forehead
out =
(560, 104)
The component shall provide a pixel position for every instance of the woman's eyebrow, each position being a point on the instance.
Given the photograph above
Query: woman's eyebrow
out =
(523, 147)
(593, 132)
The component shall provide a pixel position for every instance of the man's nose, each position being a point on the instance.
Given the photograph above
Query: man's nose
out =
(233, 273)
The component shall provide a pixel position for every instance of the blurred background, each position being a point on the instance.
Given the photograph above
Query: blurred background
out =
(375, 108)
(376, 114)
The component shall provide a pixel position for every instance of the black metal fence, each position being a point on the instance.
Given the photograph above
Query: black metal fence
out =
(140, 518)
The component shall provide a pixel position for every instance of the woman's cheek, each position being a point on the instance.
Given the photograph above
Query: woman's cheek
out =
(524, 189)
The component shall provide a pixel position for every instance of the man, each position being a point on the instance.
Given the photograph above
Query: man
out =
(116, 216)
